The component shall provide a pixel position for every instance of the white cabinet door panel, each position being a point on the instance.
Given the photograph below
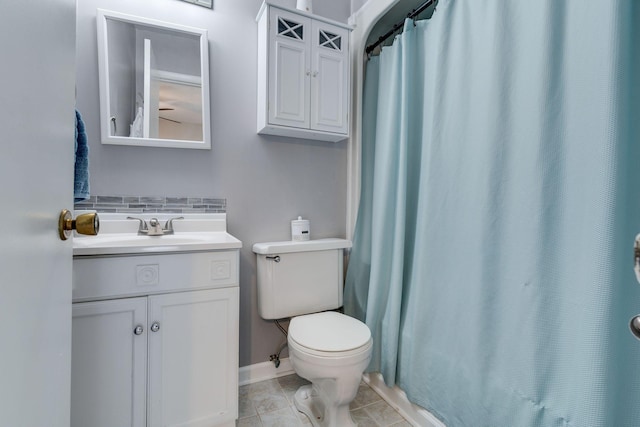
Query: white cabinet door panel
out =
(109, 362)
(191, 383)
(289, 66)
(330, 74)
(291, 84)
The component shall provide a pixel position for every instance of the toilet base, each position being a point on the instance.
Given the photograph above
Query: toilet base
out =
(309, 403)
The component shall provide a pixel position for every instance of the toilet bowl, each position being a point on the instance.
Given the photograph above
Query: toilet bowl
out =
(331, 351)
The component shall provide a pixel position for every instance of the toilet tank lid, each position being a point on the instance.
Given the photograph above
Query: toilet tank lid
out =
(272, 248)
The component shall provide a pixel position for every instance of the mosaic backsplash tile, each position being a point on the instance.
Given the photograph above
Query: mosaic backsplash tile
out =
(153, 204)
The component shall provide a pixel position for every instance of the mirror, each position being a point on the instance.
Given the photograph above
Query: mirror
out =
(154, 82)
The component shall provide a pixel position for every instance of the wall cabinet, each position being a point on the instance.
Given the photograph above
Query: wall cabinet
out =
(303, 75)
(166, 359)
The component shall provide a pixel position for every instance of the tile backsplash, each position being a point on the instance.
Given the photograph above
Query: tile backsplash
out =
(151, 204)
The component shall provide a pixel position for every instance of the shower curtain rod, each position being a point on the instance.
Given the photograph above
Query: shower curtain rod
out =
(415, 12)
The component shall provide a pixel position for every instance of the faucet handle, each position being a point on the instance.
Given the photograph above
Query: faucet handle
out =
(168, 227)
(143, 223)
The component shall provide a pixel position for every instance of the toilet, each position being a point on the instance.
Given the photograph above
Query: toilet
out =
(303, 280)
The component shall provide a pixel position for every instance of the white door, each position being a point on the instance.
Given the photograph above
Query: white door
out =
(289, 69)
(37, 81)
(151, 93)
(109, 373)
(193, 355)
(329, 78)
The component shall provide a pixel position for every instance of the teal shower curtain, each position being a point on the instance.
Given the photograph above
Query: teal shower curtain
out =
(500, 198)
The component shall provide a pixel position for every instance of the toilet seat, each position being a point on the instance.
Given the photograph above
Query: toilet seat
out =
(329, 334)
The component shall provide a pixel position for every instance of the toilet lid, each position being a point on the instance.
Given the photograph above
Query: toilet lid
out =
(329, 331)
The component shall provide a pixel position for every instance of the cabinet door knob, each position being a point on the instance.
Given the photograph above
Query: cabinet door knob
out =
(155, 326)
(138, 330)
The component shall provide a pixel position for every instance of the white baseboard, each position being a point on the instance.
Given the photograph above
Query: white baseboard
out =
(264, 371)
(394, 396)
(397, 398)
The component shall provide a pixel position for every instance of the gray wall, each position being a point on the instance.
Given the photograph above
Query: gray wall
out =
(267, 181)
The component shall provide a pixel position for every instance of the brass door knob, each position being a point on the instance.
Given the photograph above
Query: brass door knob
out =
(88, 224)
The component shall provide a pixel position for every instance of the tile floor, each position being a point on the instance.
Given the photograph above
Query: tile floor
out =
(270, 404)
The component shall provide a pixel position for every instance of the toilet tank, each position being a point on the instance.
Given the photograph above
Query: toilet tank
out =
(297, 278)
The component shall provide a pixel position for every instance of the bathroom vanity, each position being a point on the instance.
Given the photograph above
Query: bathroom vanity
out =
(155, 325)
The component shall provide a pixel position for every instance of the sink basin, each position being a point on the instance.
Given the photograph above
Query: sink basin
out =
(117, 236)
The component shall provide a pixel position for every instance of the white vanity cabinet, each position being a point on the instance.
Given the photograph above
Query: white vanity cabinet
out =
(303, 75)
(155, 340)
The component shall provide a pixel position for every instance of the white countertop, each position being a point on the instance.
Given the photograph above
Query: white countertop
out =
(118, 235)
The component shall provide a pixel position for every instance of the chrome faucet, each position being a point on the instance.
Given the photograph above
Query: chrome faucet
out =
(153, 228)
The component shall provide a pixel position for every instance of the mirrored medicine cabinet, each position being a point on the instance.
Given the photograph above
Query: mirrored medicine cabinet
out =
(154, 82)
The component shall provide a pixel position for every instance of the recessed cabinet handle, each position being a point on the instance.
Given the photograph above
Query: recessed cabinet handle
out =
(155, 326)
(138, 330)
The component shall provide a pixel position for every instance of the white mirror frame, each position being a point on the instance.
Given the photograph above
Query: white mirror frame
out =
(103, 74)
(203, 3)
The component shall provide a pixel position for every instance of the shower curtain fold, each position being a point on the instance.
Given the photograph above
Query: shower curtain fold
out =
(497, 212)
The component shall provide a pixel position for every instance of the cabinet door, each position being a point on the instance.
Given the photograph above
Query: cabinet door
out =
(108, 364)
(289, 68)
(193, 363)
(329, 78)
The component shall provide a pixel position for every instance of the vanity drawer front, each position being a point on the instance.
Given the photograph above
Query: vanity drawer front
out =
(112, 277)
